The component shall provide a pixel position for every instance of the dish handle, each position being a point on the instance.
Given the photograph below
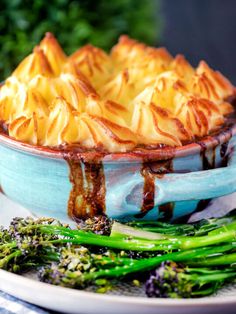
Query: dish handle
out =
(198, 185)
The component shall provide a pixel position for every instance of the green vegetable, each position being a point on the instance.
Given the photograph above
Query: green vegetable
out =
(125, 231)
(220, 235)
(219, 260)
(78, 258)
(137, 266)
(173, 280)
(200, 228)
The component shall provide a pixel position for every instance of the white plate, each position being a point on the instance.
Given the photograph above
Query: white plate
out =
(75, 301)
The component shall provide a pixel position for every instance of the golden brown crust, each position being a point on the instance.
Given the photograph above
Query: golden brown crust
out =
(137, 95)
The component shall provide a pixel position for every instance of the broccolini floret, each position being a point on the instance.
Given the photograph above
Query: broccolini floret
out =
(172, 280)
(98, 224)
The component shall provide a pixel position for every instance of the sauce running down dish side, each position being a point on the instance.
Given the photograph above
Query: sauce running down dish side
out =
(137, 106)
(88, 199)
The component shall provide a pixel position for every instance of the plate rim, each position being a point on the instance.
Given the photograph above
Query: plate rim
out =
(222, 300)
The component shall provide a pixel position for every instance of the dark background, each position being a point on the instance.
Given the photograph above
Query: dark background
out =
(202, 29)
(199, 29)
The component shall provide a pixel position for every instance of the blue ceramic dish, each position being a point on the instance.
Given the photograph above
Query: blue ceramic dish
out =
(163, 183)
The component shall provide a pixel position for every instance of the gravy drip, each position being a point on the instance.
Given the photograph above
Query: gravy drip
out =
(87, 196)
(207, 163)
(148, 191)
(224, 154)
(150, 172)
(166, 211)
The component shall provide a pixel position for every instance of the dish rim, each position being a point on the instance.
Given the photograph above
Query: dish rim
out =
(139, 154)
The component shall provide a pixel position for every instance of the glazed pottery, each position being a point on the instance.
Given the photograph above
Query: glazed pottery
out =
(164, 183)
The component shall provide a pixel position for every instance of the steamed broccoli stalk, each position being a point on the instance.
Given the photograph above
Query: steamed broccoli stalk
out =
(219, 260)
(163, 227)
(149, 263)
(63, 234)
(207, 225)
(45, 234)
(199, 228)
(122, 267)
(220, 235)
(173, 280)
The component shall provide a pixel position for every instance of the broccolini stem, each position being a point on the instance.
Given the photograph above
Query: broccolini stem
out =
(8, 245)
(184, 229)
(82, 237)
(149, 263)
(171, 231)
(104, 241)
(195, 242)
(215, 260)
(231, 226)
(221, 276)
(4, 261)
(209, 283)
(160, 224)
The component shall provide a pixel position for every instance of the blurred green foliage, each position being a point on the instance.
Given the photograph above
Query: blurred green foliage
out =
(75, 23)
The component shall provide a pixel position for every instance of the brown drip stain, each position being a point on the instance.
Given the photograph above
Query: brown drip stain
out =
(210, 162)
(166, 211)
(87, 197)
(95, 177)
(150, 172)
(223, 149)
(207, 163)
(224, 154)
(148, 191)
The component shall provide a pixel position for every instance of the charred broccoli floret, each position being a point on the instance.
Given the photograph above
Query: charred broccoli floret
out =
(167, 282)
(23, 245)
(73, 262)
(99, 224)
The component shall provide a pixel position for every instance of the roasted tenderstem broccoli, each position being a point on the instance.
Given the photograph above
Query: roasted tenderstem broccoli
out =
(81, 257)
(172, 280)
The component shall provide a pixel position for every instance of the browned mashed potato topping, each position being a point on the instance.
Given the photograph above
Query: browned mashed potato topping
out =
(134, 96)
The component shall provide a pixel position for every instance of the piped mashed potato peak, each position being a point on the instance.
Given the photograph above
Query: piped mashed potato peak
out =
(134, 96)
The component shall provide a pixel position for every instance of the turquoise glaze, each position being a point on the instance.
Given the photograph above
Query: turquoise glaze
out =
(39, 179)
